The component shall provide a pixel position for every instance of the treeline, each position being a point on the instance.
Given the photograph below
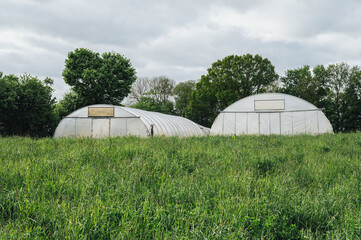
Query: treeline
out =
(26, 106)
(28, 109)
(336, 89)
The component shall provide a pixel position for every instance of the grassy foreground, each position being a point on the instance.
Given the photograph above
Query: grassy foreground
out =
(278, 187)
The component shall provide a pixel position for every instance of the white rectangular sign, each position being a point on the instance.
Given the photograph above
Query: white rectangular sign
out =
(269, 104)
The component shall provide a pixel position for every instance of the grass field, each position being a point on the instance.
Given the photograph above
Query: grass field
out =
(272, 187)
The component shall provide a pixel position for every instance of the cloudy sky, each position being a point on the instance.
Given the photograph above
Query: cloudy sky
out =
(177, 38)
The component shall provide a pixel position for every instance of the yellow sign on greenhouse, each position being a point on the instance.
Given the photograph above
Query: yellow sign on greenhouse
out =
(100, 112)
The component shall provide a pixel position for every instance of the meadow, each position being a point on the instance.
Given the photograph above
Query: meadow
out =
(244, 187)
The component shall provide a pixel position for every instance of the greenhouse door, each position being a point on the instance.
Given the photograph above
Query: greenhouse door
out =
(264, 123)
(269, 123)
(100, 128)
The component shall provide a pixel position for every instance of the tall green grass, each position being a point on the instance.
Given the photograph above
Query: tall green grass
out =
(271, 187)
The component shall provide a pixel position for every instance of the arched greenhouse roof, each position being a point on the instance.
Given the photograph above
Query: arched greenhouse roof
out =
(104, 120)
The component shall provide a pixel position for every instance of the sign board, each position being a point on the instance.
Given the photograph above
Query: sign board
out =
(101, 112)
(269, 105)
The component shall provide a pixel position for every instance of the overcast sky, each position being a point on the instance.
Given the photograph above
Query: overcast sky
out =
(177, 38)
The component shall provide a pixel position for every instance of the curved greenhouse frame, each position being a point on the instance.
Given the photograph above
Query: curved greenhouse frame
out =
(103, 120)
(271, 113)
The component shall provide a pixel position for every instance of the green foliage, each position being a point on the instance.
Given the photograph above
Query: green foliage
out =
(104, 79)
(246, 187)
(345, 98)
(337, 80)
(335, 89)
(351, 109)
(154, 105)
(182, 94)
(27, 105)
(203, 105)
(227, 81)
(9, 91)
(71, 102)
(310, 86)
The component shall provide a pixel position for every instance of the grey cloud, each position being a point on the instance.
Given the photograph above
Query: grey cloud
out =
(180, 39)
(109, 22)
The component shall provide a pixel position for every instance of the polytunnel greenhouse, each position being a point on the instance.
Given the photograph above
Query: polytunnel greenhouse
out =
(111, 121)
(271, 113)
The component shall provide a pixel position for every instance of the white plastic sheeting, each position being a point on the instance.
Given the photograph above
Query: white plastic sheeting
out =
(125, 121)
(271, 113)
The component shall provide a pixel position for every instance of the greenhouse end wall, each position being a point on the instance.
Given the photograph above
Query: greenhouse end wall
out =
(271, 113)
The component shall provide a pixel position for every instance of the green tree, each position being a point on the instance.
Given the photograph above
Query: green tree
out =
(36, 107)
(308, 85)
(227, 81)
(71, 102)
(203, 105)
(27, 104)
(9, 89)
(335, 89)
(351, 104)
(97, 79)
(338, 76)
(154, 105)
(182, 94)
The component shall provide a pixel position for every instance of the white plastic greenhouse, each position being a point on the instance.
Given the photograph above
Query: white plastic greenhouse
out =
(271, 113)
(107, 120)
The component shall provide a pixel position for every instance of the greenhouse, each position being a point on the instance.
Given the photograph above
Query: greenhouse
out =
(271, 113)
(111, 121)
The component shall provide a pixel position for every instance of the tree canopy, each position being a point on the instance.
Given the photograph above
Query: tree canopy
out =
(71, 102)
(154, 105)
(27, 104)
(96, 78)
(336, 89)
(310, 85)
(227, 81)
(182, 93)
(351, 107)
